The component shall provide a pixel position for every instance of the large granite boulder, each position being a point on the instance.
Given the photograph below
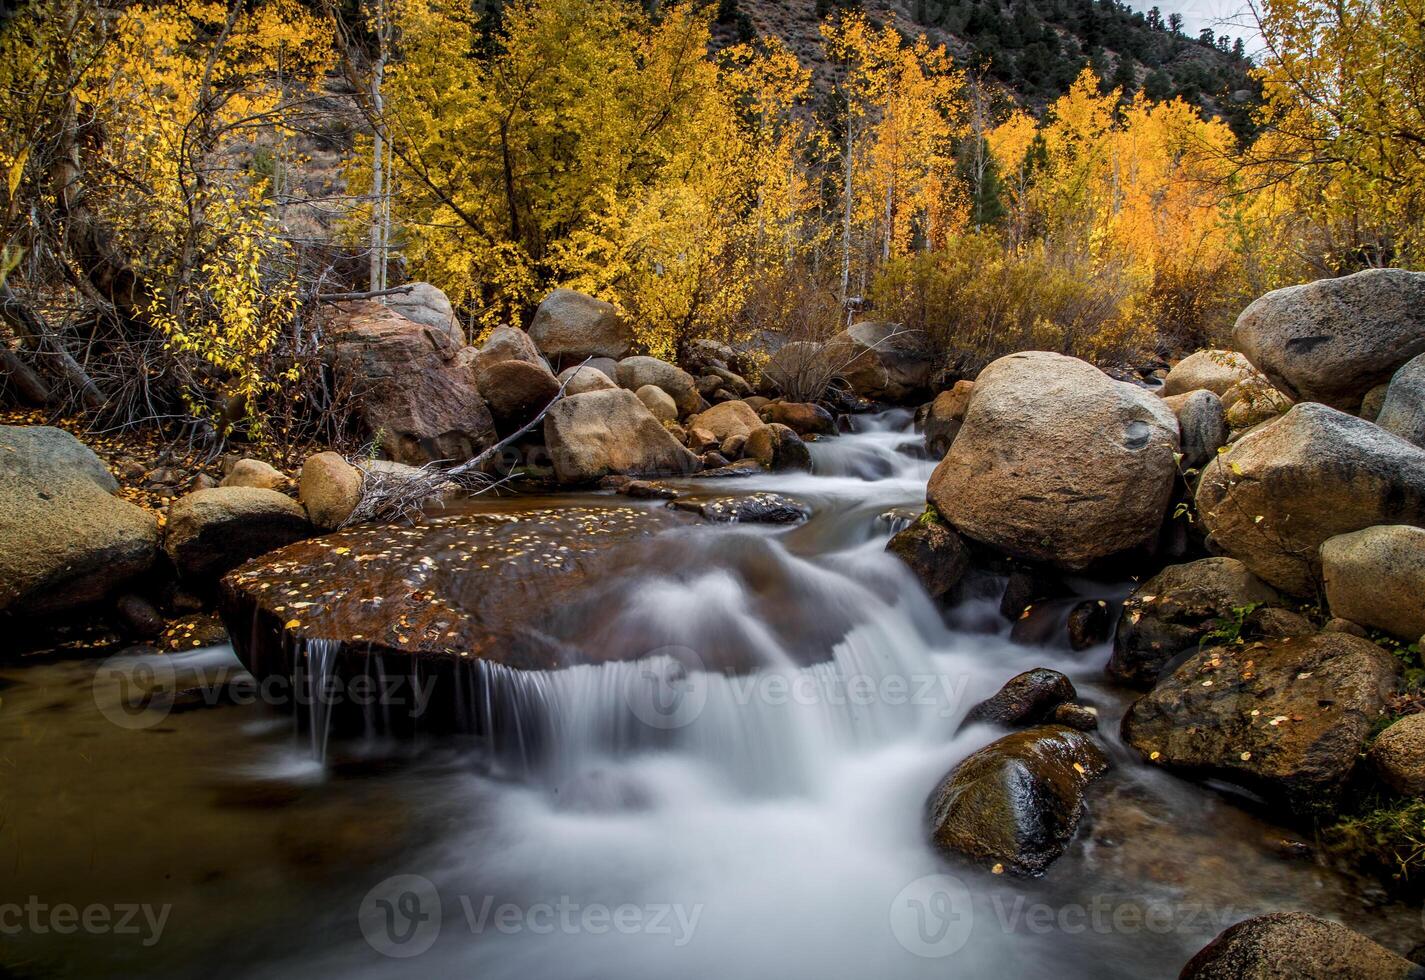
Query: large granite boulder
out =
(1333, 340)
(517, 391)
(1176, 610)
(570, 326)
(1376, 577)
(635, 372)
(1056, 462)
(1296, 946)
(1207, 370)
(65, 540)
(1284, 488)
(506, 343)
(1202, 425)
(1015, 804)
(884, 361)
(1285, 718)
(210, 532)
(577, 380)
(429, 306)
(603, 433)
(1403, 409)
(417, 397)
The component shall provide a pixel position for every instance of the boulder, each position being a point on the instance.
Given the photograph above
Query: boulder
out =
(505, 343)
(803, 418)
(943, 420)
(418, 399)
(1333, 340)
(635, 372)
(255, 473)
(755, 508)
(777, 447)
(934, 552)
(659, 402)
(726, 380)
(728, 419)
(1402, 411)
(1015, 804)
(1207, 370)
(517, 391)
(1176, 609)
(884, 361)
(600, 433)
(1284, 718)
(1202, 426)
(211, 532)
(1026, 699)
(1056, 462)
(1375, 401)
(65, 540)
(570, 326)
(1398, 755)
(1376, 577)
(1284, 488)
(1077, 716)
(581, 379)
(1296, 946)
(1089, 624)
(428, 306)
(330, 489)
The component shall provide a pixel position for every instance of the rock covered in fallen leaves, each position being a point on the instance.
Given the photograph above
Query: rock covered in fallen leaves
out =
(1285, 718)
(1296, 946)
(1015, 804)
(754, 508)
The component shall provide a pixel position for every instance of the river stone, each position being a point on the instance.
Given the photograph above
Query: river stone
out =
(570, 326)
(734, 418)
(582, 379)
(946, 414)
(1015, 804)
(255, 473)
(418, 398)
(210, 532)
(517, 391)
(330, 489)
(1285, 718)
(635, 372)
(1056, 462)
(777, 447)
(1296, 946)
(600, 433)
(1202, 425)
(934, 552)
(1376, 577)
(1207, 370)
(1089, 624)
(65, 540)
(1333, 340)
(755, 508)
(427, 305)
(1283, 489)
(881, 360)
(1398, 755)
(658, 402)
(1403, 409)
(1175, 610)
(1025, 699)
(803, 418)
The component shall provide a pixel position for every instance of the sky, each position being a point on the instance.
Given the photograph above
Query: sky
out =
(1223, 16)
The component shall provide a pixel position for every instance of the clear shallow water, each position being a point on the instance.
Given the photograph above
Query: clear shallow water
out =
(682, 822)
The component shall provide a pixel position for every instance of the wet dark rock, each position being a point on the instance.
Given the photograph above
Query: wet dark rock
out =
(935, 553)
(1090, 623)
(1075, 716)
(714, 460)
(1284, 718)
(1270, 623)
(1026, 699)
(141, 621)
(211, 532)
(741, 468)
(803, 418)
(1176, 609)
(756, 508)
(944, 416)
(1028, 586)
(1015, 804)
(777, 447)
(648, 490)
(1298, 946)
(896, 519)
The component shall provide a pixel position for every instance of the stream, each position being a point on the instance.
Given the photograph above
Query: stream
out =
(676, 821)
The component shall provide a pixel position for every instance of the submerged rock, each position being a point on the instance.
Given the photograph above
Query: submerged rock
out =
(1015, 804)
(755, 508)
(935, 553)
(1286, 718)
(1296, 946)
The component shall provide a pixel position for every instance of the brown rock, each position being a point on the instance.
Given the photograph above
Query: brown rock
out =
(330, 489)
